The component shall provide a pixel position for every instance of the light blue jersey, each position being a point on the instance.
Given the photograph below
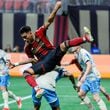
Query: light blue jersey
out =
(92, 81)
(48, 80)
(83, 56)
(3, 67)
(4, 70)
(48, 83)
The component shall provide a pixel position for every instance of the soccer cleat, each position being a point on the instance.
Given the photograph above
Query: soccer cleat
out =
(5, 108)
(39, 92)
(88, 35)
(108, 97)
(19, 102)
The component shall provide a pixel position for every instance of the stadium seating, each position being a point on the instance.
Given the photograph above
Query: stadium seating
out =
(26, 6)
(17, 5)
(8, 5)
(1, 5)
(39, 6)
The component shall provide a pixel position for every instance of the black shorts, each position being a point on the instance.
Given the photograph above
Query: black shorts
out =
(49, 62)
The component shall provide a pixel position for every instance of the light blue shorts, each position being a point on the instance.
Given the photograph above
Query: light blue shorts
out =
(49, 95)
(91, 85)
(4, 80)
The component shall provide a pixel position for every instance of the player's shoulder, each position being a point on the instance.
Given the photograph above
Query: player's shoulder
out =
(83, 50)
(26, 46)
(2, 51)
(40, 29)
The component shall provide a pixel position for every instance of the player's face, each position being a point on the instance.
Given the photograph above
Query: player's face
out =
(27, 37)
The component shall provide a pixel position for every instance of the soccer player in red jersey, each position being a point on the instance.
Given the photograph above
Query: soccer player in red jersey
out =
(42, 54)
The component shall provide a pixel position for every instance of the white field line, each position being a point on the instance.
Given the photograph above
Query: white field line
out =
(13, 101)
(29, 96)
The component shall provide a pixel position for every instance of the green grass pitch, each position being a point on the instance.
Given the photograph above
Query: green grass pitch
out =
(67, 95)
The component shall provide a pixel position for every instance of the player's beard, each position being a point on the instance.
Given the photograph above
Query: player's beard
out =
(30, 41)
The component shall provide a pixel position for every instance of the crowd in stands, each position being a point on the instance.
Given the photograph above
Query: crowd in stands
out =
(43, 6)
(39, 6)
(89, 2)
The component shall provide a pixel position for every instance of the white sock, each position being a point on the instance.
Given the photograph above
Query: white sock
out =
(5, 98)
(12, 95)
(36, 88)
(102, 105)
(88, 103)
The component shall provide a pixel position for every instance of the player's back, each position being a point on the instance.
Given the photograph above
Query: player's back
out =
(48, 80)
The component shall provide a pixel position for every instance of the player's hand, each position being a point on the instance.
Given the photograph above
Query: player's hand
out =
(59, 4)
(11, 66)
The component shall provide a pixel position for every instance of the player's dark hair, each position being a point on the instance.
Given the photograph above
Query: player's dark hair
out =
(24, 29)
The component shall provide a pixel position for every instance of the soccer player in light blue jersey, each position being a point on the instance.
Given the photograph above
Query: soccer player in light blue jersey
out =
(4, 81)
(89, 79)
(48, 83)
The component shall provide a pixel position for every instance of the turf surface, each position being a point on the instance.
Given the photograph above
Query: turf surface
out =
(68, 97)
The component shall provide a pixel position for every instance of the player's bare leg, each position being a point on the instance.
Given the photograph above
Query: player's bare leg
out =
(103, 91)
(18, 99)
(31, 81)
(86, 100)
(5, 98)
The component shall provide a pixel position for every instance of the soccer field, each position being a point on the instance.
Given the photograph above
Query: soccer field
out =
(68, 97)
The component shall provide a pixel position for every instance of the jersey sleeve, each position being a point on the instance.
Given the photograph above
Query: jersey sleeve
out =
(41, 31)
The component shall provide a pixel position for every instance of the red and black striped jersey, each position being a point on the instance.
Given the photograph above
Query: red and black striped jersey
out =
(41, 46)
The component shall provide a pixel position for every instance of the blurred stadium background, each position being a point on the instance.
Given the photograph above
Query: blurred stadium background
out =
(69, 23)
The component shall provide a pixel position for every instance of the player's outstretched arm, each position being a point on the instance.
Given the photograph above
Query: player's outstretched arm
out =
(53, 14)
(30, 60)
